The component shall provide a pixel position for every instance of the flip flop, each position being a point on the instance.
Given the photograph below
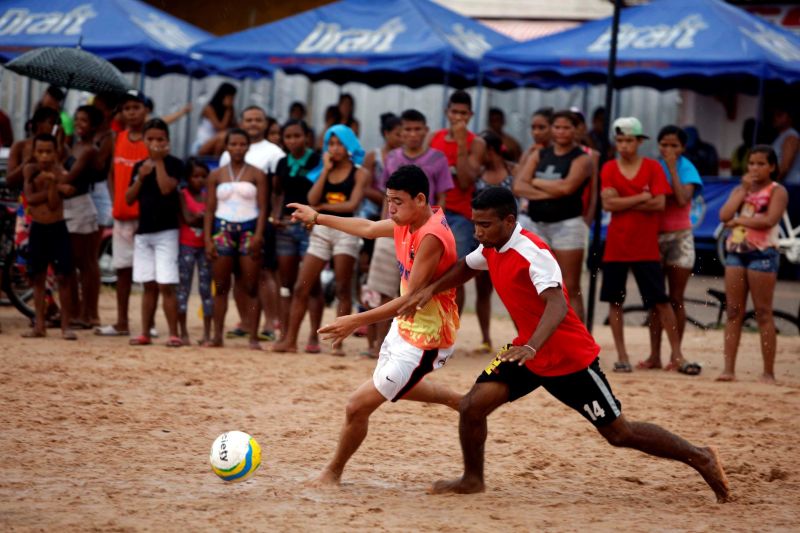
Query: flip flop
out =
(69, 335)
(690, 368)
(235, 333)
(267, 336)
(313, 348)
(110, 330)
(623, 367)
(141, 340)
(174, 342)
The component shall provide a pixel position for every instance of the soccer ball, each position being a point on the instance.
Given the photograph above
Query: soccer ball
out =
(235, 456)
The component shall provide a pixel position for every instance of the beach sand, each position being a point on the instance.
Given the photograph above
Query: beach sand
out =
(103, 436)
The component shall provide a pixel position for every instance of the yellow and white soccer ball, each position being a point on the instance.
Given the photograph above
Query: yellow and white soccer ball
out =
(235, 456)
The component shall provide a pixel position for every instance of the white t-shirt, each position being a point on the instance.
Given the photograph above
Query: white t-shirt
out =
(263, 155)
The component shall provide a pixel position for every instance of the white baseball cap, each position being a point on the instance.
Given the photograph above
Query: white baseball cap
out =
(628, 126)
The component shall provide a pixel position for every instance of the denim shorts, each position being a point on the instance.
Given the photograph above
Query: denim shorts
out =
(233, 238)
(464, 231)
(759, 260)
(292, 240)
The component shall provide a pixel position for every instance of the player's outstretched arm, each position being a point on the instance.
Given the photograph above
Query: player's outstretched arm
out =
(416, 299)
(360, 227)
(427, 258)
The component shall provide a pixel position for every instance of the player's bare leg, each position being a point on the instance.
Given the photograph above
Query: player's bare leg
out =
(475, 407)
(362, 403)
(657, 441)
(432, 392)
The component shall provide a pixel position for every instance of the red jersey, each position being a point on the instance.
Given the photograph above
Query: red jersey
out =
(456, 199)
(633, 235)
(126, 154)
(435, 325)
(520, 271)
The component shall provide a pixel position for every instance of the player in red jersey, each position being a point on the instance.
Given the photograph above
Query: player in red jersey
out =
(553, 350)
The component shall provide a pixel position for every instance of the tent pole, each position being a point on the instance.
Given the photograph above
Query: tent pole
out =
(594, 253)
(187, 141)
(445, 88)
(477, 125)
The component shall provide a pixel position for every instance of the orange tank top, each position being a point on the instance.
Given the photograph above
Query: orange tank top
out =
(435, 325)
(126, 154)
(456, 200)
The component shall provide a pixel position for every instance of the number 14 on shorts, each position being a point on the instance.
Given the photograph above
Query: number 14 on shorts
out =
(595, 411)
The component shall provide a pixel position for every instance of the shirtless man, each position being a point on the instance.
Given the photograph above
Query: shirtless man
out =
(415, 346)
(553, 350)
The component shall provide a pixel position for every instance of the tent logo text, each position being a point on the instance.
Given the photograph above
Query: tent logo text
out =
(165, 32)
(331, 38)
(17, 21)
(680, 36)
(468, 42)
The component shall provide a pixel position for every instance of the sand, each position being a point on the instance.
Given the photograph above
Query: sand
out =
(103, 436)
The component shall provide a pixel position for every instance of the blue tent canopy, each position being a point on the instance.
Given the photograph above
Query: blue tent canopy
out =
(408, 42)
(129, 33)
(704, 45)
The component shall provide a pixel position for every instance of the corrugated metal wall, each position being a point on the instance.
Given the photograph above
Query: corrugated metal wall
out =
(170, 93)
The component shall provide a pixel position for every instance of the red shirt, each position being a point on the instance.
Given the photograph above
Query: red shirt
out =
(633, 235)
(520, 270)
(456, 200)
(190, 235)
(126, 154)
(435, 325)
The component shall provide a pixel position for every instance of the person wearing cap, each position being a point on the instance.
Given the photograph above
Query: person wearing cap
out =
(634, 189)
(129, 149)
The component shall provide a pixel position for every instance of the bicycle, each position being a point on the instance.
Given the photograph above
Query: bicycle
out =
(785, 323)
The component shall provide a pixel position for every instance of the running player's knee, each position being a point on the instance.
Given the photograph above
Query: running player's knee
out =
(355, 409)
(469, 408)
(618, 433)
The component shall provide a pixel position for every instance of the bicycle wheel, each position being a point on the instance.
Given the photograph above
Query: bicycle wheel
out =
(786, 325)
(18, 288)
(636, 316)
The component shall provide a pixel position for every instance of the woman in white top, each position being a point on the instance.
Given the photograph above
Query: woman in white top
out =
(787, 147)
(234, 228)
(218, 115)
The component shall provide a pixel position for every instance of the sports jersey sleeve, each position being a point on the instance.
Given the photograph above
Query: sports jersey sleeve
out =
(544, 271)
(476, 260)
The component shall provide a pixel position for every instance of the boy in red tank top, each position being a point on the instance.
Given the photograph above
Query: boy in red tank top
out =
(417, 345)
(553, 350)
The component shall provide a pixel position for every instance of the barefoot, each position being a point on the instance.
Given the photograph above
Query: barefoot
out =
(768, 379)
(326, 478)
(284, 347)
(338, 350)
(649, 364)
(33, 334)
(457, 486)
(714, 475)
(726, 376)
(68, 335)
(254, 345)
(215, 343)
(185, 340)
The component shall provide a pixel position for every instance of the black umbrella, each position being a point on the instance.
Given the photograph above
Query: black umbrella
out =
(71, 68)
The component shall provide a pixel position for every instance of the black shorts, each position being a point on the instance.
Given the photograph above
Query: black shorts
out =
(8, 226)
(587, 391)
(269, 258)
(649, 278)
(49, 244)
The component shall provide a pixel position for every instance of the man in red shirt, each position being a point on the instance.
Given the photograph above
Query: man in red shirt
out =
(634, 189)
(553, 349)
(465, 152)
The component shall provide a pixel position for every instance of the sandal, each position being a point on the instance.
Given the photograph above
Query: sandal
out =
(235, 333)
(174, 342)
(141, 340)
(623, 367)
(484, 349)
(69, 335)
(110, 330)
(690, 368)
(267, 336)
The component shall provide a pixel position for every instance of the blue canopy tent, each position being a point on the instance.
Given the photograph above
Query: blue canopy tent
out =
(703, 45)
(134, 36)
(405, 42)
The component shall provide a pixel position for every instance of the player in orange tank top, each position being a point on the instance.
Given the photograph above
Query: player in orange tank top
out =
(414, 347)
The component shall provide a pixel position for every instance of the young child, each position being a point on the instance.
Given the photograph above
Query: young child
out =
(154, 185)
(634, 189)
(192, 249)
(753, 211)
(49, 239)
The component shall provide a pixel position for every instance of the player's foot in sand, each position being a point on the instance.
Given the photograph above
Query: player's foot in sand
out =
(326, 478)
(714, 475)
(726, 376)
(284, 347)
(769, 379)
(460, 485)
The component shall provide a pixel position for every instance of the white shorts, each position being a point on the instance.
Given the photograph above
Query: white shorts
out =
(569, 234)
(122, 243)
(80, 214)
(102, 203)
(326, 242)
(384, 276)
(401, 366)
(155, 258)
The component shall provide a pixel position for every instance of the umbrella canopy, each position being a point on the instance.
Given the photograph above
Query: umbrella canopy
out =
(705, 45)
(71, 68)
(407, 42)
(129, 33)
